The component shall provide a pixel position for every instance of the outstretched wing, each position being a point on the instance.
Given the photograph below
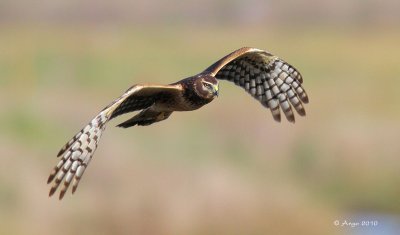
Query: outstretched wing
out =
(77, 153)
(273, 82)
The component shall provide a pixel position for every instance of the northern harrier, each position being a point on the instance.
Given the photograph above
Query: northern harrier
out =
(270, 80)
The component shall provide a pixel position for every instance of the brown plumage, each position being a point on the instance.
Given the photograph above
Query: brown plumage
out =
(270, 80)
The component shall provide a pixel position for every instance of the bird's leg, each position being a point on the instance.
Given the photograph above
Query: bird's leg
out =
(145, 118)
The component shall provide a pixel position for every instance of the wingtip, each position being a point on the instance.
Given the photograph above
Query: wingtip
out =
(277, 118)
(60, 152)
(62, 193)
(291, 119)
(52, 175)
(304, 97)
(120, 126)
(301, 112)
(73, 190)
(52, 191)
(74, 187)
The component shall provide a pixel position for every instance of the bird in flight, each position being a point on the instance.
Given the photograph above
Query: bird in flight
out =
(269, 79)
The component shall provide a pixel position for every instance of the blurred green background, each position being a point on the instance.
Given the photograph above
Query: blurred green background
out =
(227, 168)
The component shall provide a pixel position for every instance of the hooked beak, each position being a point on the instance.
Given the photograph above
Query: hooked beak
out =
(215, 89)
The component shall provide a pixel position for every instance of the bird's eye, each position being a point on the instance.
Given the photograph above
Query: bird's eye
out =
(207, 85)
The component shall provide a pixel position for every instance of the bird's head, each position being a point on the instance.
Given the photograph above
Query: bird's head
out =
(206, 87)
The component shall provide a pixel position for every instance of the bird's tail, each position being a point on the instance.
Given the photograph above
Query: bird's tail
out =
(77, 153)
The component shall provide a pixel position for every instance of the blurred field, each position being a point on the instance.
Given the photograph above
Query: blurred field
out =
(225, 169)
